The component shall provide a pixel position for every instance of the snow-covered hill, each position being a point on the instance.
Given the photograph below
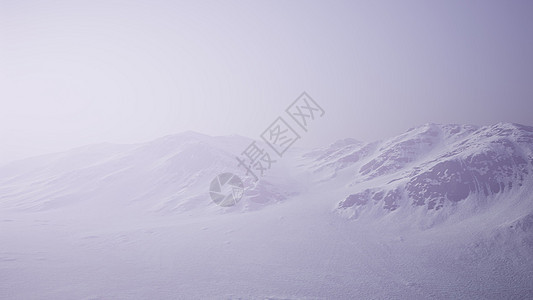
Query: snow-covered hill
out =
(165, 175)
(441, 211)
(434, 167)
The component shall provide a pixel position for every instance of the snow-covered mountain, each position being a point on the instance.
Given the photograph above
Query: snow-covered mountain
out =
(167, 171)
(165, 175)
(440, 211)
(432, 166)
(429, 168)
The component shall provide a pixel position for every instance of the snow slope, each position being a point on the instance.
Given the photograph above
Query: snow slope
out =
(454, 220)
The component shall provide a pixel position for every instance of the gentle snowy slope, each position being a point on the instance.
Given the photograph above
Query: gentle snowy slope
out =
(166, 175)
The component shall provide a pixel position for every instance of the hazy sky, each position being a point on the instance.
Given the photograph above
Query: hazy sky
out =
(81, 72)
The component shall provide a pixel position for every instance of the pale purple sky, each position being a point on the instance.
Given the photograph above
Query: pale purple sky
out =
(81, 72)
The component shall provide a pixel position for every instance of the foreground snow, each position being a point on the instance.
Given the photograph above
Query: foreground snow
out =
(287, 251)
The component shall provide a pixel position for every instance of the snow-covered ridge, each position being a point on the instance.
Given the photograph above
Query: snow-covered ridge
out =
(437, 165)
(431, 166)
(164, 173)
